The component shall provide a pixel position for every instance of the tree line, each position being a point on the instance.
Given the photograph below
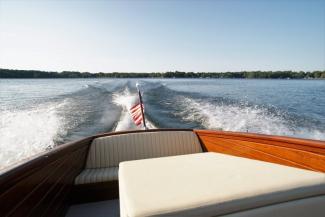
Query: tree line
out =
(12, 73)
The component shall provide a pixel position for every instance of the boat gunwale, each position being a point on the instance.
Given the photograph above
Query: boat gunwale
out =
(302, 144)
(257, 136)
(295, 152)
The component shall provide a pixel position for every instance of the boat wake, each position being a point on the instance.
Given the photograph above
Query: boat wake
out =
(104, 105)
(245, 118)
(27, 132)
(126, 100)
(189, 110)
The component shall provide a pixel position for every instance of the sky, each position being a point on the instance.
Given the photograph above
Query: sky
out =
(158, 36)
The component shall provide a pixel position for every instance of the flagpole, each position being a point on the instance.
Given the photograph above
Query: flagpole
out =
(141, 105)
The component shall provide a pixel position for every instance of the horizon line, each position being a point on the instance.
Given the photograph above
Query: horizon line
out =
(232, 71)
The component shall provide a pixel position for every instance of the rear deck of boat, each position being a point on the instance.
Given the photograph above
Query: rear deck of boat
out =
(170, 172)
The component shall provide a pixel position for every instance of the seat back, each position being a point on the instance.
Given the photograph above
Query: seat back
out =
(109, 151)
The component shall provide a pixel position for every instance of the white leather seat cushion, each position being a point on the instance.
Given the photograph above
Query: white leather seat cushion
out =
(109, 151)
(210, 184)
(88, 176)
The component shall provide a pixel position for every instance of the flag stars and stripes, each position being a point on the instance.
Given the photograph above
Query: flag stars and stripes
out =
(137, 114)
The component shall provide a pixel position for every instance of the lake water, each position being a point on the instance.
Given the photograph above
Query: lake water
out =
(36, 114)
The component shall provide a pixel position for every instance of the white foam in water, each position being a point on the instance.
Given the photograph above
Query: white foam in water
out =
(126, 100)
(24, 133)
(242, 119)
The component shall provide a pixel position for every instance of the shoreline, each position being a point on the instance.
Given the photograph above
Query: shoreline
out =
(274, 75)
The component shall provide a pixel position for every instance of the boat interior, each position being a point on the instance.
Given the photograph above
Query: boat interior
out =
(170, 172)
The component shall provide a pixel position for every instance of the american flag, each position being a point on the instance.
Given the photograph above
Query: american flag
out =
(136, 113)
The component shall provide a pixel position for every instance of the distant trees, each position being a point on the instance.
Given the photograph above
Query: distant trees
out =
(10, 73)
(318, 74)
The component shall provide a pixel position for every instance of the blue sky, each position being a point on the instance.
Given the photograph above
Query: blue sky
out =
(146, 36)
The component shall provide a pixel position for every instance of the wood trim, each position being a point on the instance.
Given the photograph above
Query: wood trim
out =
(30, 166)
(35, 187)
(301, 153)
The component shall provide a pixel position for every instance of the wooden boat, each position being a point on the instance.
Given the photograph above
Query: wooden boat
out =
(170, 172)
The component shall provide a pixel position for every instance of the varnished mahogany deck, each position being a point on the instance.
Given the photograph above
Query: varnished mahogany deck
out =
(301, 153)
